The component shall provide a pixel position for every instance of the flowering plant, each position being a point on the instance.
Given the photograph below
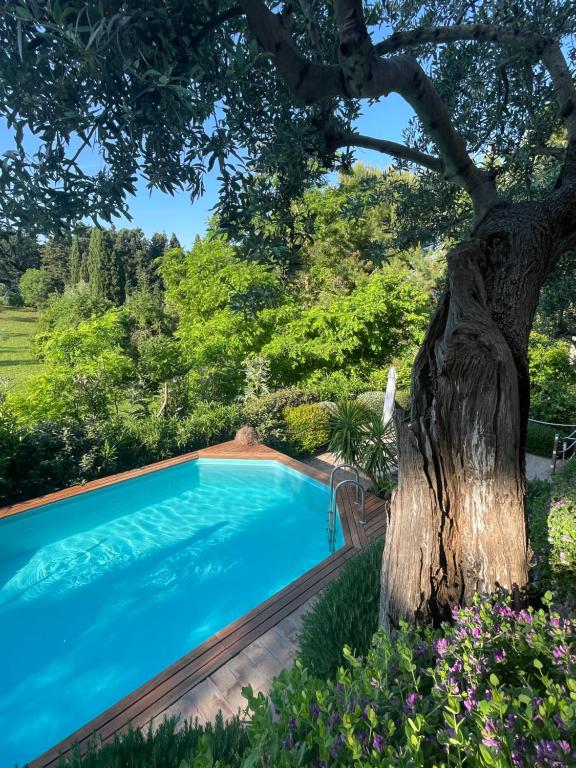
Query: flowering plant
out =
(496, 689)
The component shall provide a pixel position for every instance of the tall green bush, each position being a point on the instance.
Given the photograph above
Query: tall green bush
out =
(346, 614)
(266, 413)
(552, 380)
(36, 285)
(307, 426)
(552, 527)
(190, 745)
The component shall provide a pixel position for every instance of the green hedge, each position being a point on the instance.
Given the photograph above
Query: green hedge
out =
(307, 427)
(540, 439)
(552, 527)
(222, 745)
(346, 614)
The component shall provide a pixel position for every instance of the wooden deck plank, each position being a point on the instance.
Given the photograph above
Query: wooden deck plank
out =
(158, 694)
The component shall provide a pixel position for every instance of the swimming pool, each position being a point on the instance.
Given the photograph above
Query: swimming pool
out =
(101, 591)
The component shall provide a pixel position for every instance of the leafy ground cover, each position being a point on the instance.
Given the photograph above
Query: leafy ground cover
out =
(17, 360)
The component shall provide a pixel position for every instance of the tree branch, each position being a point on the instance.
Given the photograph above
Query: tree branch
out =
(355, 52)
(555, 63)
(231, 13)
(308, 81)
(544, 47)
(363, 75)
(400, 151)
(403, 75)
(475, 32)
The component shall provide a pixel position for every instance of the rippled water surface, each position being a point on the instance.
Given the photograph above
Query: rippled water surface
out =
(100, 592)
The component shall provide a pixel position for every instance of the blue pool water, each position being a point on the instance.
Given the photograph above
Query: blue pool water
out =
(100, 592)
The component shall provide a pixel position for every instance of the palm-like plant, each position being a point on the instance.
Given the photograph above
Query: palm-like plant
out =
(348, 420)
(378, 451)
(359, 437)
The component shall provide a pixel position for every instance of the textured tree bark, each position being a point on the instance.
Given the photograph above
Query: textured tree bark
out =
(457, 522)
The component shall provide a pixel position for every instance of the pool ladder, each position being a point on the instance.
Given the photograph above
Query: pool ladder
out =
(333, 506)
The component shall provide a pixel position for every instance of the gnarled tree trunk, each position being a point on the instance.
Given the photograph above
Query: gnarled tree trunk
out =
(457, 523)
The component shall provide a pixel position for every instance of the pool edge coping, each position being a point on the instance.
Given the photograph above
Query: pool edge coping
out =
(152, 698)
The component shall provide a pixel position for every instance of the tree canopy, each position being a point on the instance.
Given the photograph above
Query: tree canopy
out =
(268, 93)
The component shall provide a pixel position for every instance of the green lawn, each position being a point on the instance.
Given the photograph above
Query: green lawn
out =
(17, 361)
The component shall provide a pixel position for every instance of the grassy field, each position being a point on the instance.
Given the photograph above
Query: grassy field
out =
(17, 361)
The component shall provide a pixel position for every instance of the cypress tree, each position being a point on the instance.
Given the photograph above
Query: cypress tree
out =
(75, 263)
(105, 273)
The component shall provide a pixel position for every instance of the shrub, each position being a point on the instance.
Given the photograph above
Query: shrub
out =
(307, 426)
(48, 456)
(373, 400)
(266, 413)
(36, 285)
(552, 379)
(209, 423)
(346, 614)
(540, 439)
(496, 690)
(338, 385)
(221, 745)
(13, 298)
(347, 425)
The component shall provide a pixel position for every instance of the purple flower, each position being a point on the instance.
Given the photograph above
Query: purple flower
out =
(314, 710)
(411, 699)
(442, 646)
(488, 741)
(560, 651)
(378, 742)
(525, 617)
(292, 724)
(552, 751)
(337, 745)
(499, 656)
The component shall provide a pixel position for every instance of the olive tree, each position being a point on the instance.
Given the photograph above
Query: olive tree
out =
(268, 94)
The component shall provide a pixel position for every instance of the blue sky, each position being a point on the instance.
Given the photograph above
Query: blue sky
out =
(157, 212)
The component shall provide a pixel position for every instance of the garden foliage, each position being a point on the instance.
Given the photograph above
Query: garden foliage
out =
(552, 527)
(495, 689)
(221, 745)
(307, 427)
(346, 614)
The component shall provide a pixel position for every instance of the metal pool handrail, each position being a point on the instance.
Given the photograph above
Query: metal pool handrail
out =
(360, 495)
(338, 467)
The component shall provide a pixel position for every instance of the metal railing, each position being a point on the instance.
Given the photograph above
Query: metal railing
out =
(333, 505)
(564, 446)
(563, 449)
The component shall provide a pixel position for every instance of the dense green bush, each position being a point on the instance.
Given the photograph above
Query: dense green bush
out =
(13, 298)
(221, 745)
(552, 527)
(208, 424)
(552, 379)
(266, 413)
(307, 426)
(540, 439)
(36, 285)
(346, 613)
(338, 385)
(496, 689)
(373, 400)
(47, 456)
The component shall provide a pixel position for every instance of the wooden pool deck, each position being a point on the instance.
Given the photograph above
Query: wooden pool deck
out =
(173, 689)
